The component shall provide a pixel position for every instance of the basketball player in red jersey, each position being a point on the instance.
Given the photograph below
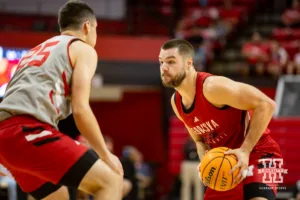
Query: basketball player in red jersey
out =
(214, 110)
(52, 80)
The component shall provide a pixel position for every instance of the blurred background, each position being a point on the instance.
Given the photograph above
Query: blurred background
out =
(252, 41)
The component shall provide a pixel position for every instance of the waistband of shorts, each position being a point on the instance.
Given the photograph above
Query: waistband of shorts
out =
(19, 119)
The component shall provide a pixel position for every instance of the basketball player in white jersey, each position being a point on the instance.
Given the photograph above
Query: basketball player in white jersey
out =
(52, 80)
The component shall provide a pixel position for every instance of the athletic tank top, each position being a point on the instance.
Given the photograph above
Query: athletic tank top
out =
(224, 126)
(40, 86)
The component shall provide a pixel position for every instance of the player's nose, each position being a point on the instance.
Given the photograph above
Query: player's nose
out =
(164, 67)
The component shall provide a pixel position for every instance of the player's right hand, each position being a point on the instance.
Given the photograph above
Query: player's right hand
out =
(114, 163)
(242, 164)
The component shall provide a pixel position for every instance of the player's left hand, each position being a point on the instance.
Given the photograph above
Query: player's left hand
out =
(200, 174)
(200, 170)
(242, 164)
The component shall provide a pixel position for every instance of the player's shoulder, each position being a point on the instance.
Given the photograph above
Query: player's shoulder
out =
(215, 83)
(78, 49)
(79, 46)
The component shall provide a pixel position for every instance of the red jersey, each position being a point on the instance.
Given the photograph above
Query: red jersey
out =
(226, 126)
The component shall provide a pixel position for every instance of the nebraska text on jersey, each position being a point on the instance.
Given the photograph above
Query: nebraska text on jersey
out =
(207, 127)
(207, 130)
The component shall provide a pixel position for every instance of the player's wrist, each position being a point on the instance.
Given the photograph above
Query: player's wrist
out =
(246, 149)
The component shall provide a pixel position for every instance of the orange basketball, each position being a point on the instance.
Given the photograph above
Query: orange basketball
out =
(215, 167)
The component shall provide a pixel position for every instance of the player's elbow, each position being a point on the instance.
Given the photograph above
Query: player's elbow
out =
(269, 105)
(273, 105)
(77, 112)
(79, 109)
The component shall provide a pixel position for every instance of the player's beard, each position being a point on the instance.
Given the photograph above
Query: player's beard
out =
(174, 82)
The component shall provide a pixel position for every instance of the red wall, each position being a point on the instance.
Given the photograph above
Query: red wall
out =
(135, 120)
(269, 91)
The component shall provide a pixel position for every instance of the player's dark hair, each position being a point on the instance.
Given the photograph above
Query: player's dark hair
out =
(184, 47)
(73, 14)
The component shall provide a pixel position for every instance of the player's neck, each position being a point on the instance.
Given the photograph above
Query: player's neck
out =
(74, 33)
(187, 88)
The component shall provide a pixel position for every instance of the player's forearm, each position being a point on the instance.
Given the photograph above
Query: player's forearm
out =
(89, 128)
(261, 117)
(201, 148)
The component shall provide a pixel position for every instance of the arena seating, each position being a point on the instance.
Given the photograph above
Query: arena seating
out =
(49, 24)
(147, 12)
(288, 38)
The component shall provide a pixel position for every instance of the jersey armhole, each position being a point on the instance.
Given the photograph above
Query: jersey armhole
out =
(174, 98)
(70, 42)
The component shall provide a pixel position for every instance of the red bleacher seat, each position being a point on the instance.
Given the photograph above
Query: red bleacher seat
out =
(166, 10)
(188, 11)
(202, 13)
(296, 34)
(281, 34)
(248, 4)
(236, 12)
(215, 3)
(291, 47)
(191, 3)
(286, 34)
(166, 2)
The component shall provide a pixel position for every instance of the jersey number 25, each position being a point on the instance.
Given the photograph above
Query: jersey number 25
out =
(37, 56)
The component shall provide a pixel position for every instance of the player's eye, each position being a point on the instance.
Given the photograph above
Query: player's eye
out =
(171, 62)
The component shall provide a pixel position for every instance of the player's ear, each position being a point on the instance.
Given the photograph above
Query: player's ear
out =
(86, 27)
(189, 63)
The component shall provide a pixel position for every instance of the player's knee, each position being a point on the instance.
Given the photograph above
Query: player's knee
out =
(127, 187)
(61, 194)
(113, 182)
(100, 177)
(114, 185)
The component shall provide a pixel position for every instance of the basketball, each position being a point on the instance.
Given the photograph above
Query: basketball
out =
(215, 167)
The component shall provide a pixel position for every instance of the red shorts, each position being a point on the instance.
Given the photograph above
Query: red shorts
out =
(40, 157)
(255, 184)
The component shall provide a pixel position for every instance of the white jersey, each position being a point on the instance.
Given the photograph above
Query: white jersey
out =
(41, 85)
